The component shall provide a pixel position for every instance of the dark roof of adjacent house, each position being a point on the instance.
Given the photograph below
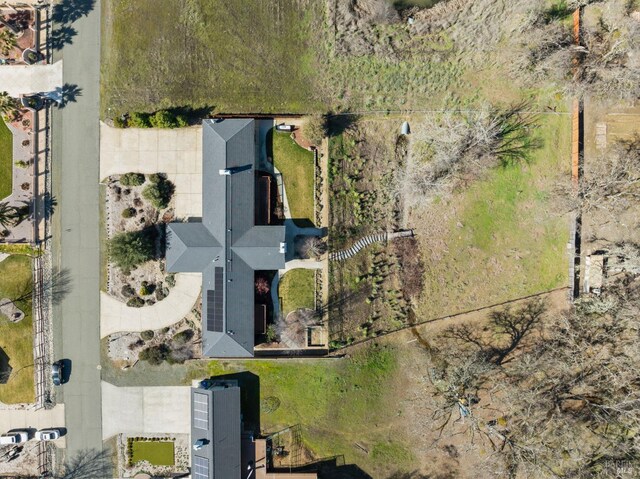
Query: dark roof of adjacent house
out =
(227, 246)
(216, 419)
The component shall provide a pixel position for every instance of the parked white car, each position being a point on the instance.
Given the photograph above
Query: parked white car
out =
(47, 434)
(15, 437)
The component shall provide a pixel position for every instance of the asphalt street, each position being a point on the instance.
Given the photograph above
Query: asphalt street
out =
(75, 222)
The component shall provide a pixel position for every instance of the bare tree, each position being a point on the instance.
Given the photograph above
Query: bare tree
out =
(606, 64)
(455, 147)
(311, 247)
(612, 182)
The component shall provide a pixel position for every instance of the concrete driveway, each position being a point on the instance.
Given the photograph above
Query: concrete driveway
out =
(24, 79)
(145, 410)
(177, 152)
(116, 316)
(33, 419)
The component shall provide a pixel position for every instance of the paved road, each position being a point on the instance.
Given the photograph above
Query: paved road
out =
(75, 233)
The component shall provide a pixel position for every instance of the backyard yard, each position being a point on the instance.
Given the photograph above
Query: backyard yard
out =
(157, 453)
(16, 339)
(297, 167)
(342, 402)
(502, 238)
(6, 160)
(297, 290)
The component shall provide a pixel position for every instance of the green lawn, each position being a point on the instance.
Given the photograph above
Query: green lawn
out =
(6, 160)
(507, 238)
(16, 339)
(297, 168)
(158, 453)
(297, 290)
(337, 402)
(231, 55)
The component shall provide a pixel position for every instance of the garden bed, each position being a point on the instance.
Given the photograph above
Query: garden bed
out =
(130, 209)
(178, 342)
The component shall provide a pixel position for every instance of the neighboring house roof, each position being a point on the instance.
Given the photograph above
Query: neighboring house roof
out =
(216, 419)
(227, 246)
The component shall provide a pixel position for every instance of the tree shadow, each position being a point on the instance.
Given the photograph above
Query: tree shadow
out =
(61, 36)
(88, 464)
(338, 124)
(64, 94)
(68, 11)
(50, 202)
(61, 285)
(510, 328)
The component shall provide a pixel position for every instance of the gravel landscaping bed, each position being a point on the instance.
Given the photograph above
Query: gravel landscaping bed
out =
(129, 211)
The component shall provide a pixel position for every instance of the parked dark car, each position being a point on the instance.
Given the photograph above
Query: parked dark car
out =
(56, 373)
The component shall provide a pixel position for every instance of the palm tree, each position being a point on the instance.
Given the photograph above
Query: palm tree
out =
(8, 104)
(8, 215)
(8, 41)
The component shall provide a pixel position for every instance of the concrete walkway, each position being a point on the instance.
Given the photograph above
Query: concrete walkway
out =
(25, 79)
(149, 410)
(33, 419)
(115, 316)
(176, 152)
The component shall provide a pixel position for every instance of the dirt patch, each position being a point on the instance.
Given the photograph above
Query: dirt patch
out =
(10, 310)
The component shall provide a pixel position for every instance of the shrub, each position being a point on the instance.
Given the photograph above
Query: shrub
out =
(160, 193)
(127, 291)
(262, 286)
(155, 178)
(270, 334)
(183, 337)
(160, 293)
(164, 119)
(26, 142)
(22, 164)
(315, 129)
(182, 121)
(155, 354)
(139, 120)
(147, 335)
(165, 330)
(128, 212)
(147, 288)
(130, 249)
(132, 179)
(171, 280)
(136, 344)
(119, 122)
(135, 302)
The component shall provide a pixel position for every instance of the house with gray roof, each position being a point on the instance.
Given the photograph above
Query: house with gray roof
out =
(226, 245)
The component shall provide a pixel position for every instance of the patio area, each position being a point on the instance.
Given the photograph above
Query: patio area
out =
(19, 37)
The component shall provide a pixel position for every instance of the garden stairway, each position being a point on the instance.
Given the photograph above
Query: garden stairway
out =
(366, 241)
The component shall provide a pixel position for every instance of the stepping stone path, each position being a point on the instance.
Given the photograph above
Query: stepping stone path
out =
(366, 241)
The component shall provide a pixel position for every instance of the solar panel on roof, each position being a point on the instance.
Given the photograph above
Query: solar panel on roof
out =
(200, 467)
(215, 300)
(201, 411)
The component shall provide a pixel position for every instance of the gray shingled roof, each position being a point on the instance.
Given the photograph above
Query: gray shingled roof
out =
(227, 237)
(216, 417)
